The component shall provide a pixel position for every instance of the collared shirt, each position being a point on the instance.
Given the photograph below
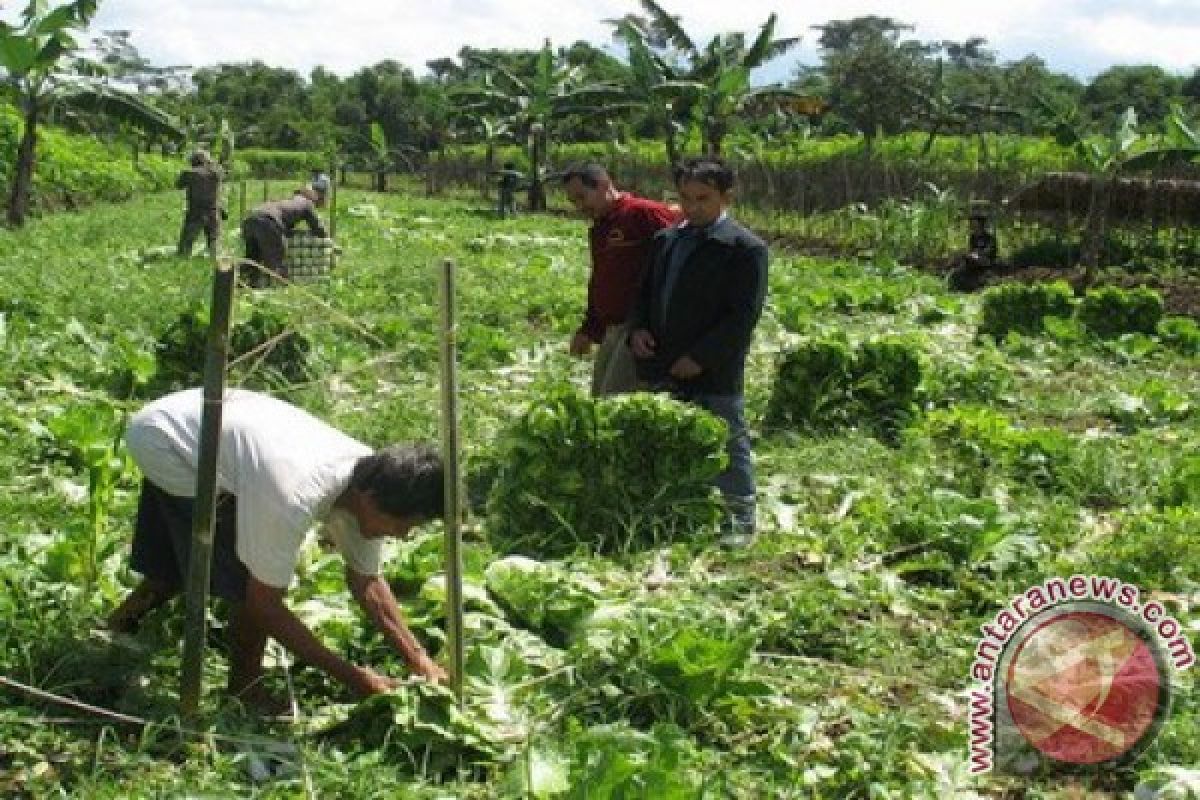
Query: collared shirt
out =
(285, 467)
(620, 245)
(687, 239)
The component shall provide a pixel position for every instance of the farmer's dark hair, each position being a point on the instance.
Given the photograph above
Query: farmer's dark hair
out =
(404, 480)
(590, 174)
(705, 169)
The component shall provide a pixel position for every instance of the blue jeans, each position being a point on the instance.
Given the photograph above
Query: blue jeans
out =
(737, 481)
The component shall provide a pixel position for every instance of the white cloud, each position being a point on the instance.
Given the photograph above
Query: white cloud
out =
(1123, 38)
(1082, 36)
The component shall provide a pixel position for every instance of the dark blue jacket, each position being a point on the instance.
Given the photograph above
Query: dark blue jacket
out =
(715, 304)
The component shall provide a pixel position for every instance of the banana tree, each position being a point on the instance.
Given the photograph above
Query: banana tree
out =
(713, 88)
(381, 157)
(33, 57)
(532, 106)
(1108, 157)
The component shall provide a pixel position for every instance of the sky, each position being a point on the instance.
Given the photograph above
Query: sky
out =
(1081, 37)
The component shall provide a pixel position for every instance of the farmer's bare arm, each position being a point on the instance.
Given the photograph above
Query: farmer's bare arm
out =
(375, 596)
(265, 608)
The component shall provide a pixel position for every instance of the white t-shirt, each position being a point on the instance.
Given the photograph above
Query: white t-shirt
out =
(284, 466)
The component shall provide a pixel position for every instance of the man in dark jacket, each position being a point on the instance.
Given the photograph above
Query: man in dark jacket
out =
(695, 318)
(265, 230)
(201, 183)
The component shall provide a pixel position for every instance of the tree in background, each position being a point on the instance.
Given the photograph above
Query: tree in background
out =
(34, 57)
(870, 69)
(1149, 90)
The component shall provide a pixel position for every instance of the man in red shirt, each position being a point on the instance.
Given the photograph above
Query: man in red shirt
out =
(623, 227)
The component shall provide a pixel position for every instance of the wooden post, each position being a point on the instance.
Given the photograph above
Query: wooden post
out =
(450, 449)
(204, 508)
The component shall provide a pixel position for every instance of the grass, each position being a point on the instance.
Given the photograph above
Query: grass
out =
(877, 564)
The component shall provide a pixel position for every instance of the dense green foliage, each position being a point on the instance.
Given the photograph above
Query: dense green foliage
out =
(827, 385)
(604, 476)
(827, 660)
(1111, 311)
(76, 170)
(1023, 307)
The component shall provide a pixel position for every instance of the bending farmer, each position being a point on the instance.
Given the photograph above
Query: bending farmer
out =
(280, 470)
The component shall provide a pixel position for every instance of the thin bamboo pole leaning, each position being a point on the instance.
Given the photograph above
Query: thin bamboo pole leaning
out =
(450, 450)
(204, 509)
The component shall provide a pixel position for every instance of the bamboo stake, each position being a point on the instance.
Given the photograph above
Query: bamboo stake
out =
(241, 200)
(450, 449)
(266, 190)
(204, 508)
(333, 193)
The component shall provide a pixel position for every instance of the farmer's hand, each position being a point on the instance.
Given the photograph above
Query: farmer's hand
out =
(581, 344)
(684, 369)
(642, 343)
(367, 682)
(430, 670)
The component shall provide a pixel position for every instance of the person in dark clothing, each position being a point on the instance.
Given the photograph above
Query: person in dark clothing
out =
(201, 183)
(507, 185)
(265, 231)
(981, 255)
(695, 317)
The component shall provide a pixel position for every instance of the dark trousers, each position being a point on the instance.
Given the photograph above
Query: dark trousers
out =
(265, 243)
(193, 223)
(162, 542)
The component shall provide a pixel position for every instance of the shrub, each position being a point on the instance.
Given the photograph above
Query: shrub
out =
(604, 475)
(826, 385)
(1155, 550)
(1111, 311)
(1182, 485)
(1022, 307)
(1181, 334)
(180, 351)
(983, 377)
(281, 163)
(982, 442)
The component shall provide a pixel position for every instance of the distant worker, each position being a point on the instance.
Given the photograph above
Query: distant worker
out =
(201, 183)
(510, 179)
(619, 240)
(320, 184)
(982, 255)
(266, 228)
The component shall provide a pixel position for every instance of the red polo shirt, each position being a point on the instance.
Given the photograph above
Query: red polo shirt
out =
(620, 247)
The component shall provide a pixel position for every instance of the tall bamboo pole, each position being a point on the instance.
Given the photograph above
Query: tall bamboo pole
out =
(450, 449)
(204, 509)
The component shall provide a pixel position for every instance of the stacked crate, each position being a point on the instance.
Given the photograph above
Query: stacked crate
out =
(308, 257)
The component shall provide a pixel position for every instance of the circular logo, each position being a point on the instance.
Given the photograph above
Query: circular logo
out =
(1084, 685)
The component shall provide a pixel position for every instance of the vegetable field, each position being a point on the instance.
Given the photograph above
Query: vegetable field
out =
(922, 458)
